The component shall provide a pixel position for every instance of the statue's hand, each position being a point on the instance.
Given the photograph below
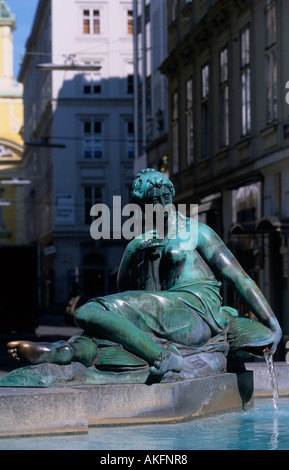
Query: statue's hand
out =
(277, 334)
(146, 240)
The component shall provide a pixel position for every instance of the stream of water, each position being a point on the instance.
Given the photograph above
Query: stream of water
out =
(272, 378)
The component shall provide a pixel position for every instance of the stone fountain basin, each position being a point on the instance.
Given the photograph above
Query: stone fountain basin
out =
(67, 410)
(28, 411)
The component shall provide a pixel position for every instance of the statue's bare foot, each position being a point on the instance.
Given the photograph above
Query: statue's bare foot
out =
(38, 353)
(168, 361)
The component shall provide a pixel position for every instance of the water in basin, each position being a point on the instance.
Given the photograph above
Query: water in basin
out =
(261, 427)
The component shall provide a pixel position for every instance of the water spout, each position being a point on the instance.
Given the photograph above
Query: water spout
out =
(272, 376)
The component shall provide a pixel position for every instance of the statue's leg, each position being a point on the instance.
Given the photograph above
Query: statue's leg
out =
(82, 348)
(79, 348)
(131, 319)
(93, 317)
(99, 322)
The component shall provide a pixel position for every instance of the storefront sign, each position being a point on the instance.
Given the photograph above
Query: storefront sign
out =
(64, 209)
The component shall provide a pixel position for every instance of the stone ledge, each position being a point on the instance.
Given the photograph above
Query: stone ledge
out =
(262, 385)
(168, 402)
(70, 410)
(28, 412)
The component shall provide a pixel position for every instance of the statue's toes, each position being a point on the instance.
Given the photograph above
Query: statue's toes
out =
(13, 344)
(14, 354)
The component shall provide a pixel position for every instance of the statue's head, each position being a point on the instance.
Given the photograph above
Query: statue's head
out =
(146, 180)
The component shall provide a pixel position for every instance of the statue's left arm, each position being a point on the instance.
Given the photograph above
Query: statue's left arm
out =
(225, 266)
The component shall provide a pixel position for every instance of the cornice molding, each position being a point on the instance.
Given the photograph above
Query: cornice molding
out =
(12, 145)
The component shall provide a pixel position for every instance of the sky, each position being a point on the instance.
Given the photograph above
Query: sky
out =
(24, 11)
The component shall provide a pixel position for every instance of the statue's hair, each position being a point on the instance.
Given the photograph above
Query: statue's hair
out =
(146, 179)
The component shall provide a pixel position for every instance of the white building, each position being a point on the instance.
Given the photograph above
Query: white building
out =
(150, 99)
(90, 112)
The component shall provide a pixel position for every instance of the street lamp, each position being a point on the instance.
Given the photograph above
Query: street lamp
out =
(69, 65)
(73, 66)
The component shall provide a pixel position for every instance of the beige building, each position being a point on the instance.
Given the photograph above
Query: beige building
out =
(11, 143)
(227, 70)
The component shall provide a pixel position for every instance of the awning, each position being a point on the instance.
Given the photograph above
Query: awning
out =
(242, 229)
(270, 224)
(207, 206)
(267, 224)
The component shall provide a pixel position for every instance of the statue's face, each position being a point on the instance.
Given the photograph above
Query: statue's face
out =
(160, 196)
(157, 206)
(161, 199)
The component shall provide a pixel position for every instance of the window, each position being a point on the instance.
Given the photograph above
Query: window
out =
(90, 21)
(129, 22)
(130, 139)
(175, 132)
(148, 51)
(189, 121)
(271, 62)
(174, 10)
(130, 84)
(92, 139)
(92, 195)
(245, 81)
(224, 65)
(91, 83)
(270, 25)
(245, 47)
(205, 81)
(205, 111)
(129, 79)
(271, 86)
(224, 98)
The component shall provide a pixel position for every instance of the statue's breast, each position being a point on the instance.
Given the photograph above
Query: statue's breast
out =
(173, 255)
(172, 262)
(179, 265)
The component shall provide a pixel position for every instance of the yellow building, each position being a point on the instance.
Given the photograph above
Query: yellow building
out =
(11, 142)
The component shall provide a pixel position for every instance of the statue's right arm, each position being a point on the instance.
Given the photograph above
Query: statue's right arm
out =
(225, 266)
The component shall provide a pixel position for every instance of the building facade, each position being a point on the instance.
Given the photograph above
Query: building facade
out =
(79, 136)
(11, 142)
(227, 74)
(150, 99)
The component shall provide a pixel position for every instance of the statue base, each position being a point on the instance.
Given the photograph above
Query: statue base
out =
(28, 411)
(53, 375)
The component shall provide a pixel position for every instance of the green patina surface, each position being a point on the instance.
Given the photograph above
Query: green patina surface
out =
(167, 321)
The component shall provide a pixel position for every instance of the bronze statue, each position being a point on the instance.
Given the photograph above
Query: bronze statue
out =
(168, 308)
